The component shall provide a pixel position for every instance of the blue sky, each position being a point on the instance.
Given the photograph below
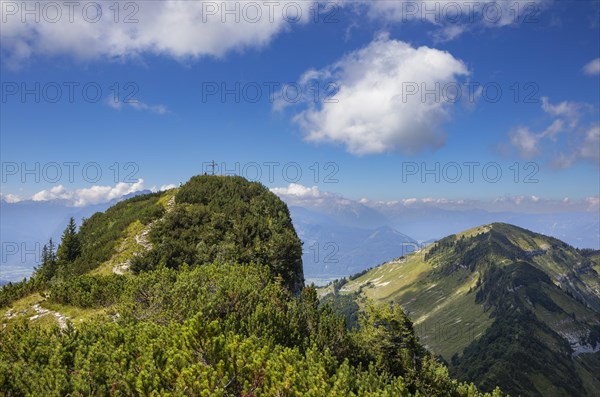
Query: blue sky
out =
(374, 142)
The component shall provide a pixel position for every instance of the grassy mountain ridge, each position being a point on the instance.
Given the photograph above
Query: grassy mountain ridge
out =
(530, 330)
(470, 293)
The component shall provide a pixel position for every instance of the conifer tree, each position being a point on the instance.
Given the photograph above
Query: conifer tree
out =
(70, 246)
(49, 263)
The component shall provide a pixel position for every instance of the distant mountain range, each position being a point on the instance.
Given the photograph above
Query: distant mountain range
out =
(358, 236)
(427, 221)
(580, 229)
(501, 304)
(340, 236)
(333, 249)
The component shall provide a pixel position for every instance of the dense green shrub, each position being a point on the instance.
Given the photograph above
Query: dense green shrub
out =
(345, 305)
(220, 330)
(14, 291)
(88, 291)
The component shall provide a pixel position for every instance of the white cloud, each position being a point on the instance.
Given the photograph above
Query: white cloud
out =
(137, 105)
(592, 67)
(89, 196)
(55, 193)
(579, 143)
(525, 141)
(312, 197)
(594, 203)
(167, 187)
(554, 129)
(158, 109)
(10, 198)
(585, 146)
(191, 29)
(563, 160)
(297, 190)
(590, 148)
(179, 29)
(489, 12)
(448, 33)
(567, 110)
(372, 111)
(453, 18)
(409, 201)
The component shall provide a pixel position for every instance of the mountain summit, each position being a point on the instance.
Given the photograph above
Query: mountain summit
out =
(226, 219)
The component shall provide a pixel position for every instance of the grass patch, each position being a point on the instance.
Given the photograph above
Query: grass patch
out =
(76, 314)
(127, 249)
(167, 196)
(445, 314)
(22, 309)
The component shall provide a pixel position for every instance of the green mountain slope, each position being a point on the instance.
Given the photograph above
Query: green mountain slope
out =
(499, 303)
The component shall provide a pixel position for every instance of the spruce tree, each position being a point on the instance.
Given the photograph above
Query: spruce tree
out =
(49, 263)
(70, 246)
